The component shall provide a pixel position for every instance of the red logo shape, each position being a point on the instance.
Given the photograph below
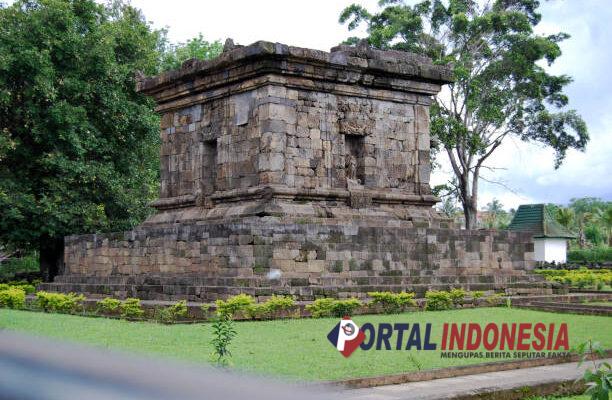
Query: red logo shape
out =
(346, 336)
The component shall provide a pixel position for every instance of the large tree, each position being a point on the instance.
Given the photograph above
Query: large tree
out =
(587, 213)
(78, 145)
(497, 217)
(501, 87)
(173, 55)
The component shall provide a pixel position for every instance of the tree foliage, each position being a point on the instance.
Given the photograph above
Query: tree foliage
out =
(496, 216)
(605, 216)
(501, 88)
(78, 145)
(173, 55)
(589, 217)
(448, 207)
(565, 216)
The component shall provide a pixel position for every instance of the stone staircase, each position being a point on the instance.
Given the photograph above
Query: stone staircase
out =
(201, 288)
(572, 304)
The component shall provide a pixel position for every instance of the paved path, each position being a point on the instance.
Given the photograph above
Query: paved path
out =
(462, 386)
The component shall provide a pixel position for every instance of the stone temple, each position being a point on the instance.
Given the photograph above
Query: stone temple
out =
(295, 171)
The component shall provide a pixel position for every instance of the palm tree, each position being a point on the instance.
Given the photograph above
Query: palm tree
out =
(570, 218)
(605, 218)
(583, 218)
(495, 210)
(565, 216)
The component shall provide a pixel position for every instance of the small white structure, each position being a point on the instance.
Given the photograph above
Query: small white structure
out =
(549, 237)
(550, 250)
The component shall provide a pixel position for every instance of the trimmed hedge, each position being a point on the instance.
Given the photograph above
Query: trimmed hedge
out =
(234, 306)
(581, 278)
(392, 303)
(594, 255)
(170, 314)
(271, 308)
(59, 302)
(109, 306)
(438, 300)
(131, 309)
(12, 297)
(332, 307)
(23, 285)
(245, 306)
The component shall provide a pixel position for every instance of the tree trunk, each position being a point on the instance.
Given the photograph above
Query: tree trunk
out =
(469, 201)
(581, 236)
(470, 212)
(51, 257)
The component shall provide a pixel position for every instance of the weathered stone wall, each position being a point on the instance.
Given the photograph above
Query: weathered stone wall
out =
(271, 121)
(275, 135)
(304, 259)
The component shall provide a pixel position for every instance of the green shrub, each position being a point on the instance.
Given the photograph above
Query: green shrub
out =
(581, 278)
(320, 308)
(131, 309)
(457, 295)
(594, 255)
(59, 302)
(258, 311)
(271, 307)
(236, 305)
(330, 307)
(12, 297)
(179, 308)
(109, 305)
(169, 315)
(393, 302)
(280, 303)
(437, 300)
(25, 286)
(341, 308)
(477, 294)
(494, 300)
(598, 375)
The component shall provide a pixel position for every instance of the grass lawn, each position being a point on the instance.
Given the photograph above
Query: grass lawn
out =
(291, 348)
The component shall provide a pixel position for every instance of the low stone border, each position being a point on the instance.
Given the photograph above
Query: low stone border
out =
(569, 308)
(572, 290)
(562, 388)
(452, 372)
(563, 298)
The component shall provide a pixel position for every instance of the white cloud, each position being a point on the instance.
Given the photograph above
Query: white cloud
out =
(312, 24)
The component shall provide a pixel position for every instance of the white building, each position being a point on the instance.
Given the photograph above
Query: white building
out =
(549, 237)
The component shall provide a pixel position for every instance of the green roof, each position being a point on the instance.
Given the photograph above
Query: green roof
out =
(536, 219)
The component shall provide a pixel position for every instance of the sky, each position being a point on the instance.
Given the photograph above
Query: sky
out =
(526, 171)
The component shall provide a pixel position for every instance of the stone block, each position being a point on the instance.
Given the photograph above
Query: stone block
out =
(271, 162)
